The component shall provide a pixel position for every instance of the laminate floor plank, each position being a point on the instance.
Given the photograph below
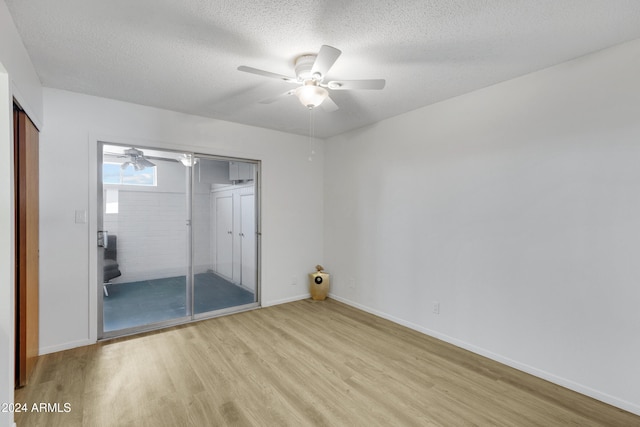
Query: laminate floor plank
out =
(304, 363)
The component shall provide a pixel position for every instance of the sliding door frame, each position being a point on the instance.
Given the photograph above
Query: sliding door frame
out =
(96, 323)
(102, 334)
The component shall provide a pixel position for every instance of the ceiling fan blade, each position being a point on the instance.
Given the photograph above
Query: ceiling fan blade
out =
(146, 163)
(329, 105)
(375, 84)
(266, 74)
(325, 60)
(277, 97)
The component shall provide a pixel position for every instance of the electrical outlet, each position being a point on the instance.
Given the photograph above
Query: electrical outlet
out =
(352, 283)
(294, 282)
(436, 307)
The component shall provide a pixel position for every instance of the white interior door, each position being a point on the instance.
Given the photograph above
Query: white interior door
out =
(248, 241)
(224, 235)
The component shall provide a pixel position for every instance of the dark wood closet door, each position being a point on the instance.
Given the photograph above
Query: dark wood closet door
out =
(27, 245)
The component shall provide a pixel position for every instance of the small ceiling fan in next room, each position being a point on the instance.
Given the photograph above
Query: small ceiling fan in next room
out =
(311, 71)
(136, 159)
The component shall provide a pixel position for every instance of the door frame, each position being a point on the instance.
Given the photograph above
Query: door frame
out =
(95, 206)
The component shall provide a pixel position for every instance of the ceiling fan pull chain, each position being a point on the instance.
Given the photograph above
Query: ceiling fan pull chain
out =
(312, 132)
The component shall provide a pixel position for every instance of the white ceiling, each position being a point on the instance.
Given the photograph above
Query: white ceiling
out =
(182, 55)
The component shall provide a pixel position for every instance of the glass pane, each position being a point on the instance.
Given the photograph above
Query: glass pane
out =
(182, 237)
(110, 173)
(146, 176)
(147, 260)
(224, 235)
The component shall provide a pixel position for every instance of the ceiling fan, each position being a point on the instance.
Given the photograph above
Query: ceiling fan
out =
(311, 71)
(136, 159)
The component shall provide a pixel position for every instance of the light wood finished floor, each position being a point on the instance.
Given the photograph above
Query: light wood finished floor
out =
(297, 364)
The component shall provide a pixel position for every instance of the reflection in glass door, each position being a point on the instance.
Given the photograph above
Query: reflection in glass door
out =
(146, 265)
(225, 237)
(182, 238)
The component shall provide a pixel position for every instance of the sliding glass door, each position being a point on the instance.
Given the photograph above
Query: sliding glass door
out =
(225, 238)
(172, 251)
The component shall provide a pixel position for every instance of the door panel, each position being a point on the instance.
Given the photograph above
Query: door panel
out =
(224, 236)
(248, 240)
(27, 246)
(221, 285)
(145, 212)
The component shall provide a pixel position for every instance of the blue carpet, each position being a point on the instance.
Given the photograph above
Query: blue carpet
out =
(151, 301)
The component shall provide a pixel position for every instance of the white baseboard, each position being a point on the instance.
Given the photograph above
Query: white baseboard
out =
(64, 346)
(285, 300)
(563, 382)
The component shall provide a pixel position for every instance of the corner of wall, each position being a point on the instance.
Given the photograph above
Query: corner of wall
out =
(7, 326)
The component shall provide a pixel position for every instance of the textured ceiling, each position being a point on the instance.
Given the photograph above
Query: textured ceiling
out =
(183, 55)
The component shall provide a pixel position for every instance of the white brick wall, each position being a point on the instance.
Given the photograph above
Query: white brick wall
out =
(152, 235)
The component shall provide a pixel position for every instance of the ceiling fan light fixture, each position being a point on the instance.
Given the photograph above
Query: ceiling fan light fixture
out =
(311, 71)
(310, 94)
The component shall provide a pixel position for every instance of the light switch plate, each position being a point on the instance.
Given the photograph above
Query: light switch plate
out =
(81, 217)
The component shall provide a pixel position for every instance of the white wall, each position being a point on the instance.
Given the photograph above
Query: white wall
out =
(291, 199)
(17, 79)
(517, 208)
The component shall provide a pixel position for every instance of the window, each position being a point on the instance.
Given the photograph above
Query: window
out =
(112, 173)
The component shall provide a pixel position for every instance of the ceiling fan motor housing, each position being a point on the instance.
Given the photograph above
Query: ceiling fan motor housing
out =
(303, 67)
